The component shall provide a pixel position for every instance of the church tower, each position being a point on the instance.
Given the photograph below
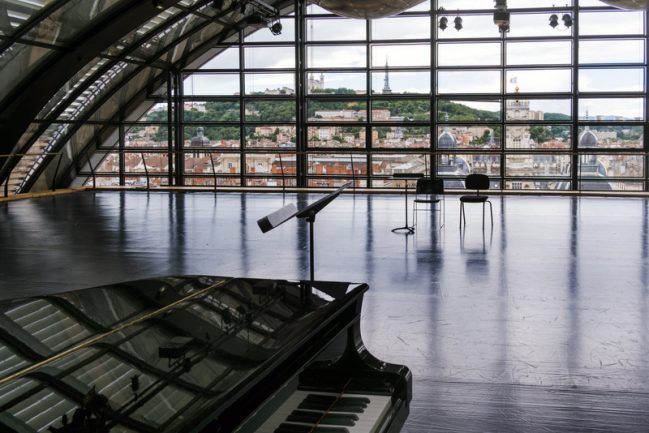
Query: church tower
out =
(386, 80)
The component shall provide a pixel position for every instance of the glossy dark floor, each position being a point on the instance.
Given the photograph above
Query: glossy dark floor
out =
(539, 324)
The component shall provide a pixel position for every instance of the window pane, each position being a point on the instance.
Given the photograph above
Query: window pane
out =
(350, 56)
(451, 165)
(401, 110)
(535, 24)
(269, 57)
(224, 163)
(154, 181)
(611, 23)
(155, 162)
(469, 137)
(147, 136)
(391, 163)
(336, 136)
(620, 137)
(618, 185)
(401, 82)
(335, 29)
(211, 84)
(539, 80)
(612, 51)
(400, 55)
(401, 137)
(611, 109)
(211, 111)
(270, 163)
(337, 82)
(611, 80)
(469, 54)
(337, 164)
(200, 136)
(469, 110)
(335, 182)
(538, 109)
(464, 4)
(157, 113)
(209, 181)
(265, 35)
(520, 4)
(270, 84)
(401, 28)
(271, 181)
(540, 53)
(539, 185)
(110, 164)
(537, 137)
(227, 59)
(336, 111)
(605, 165)
(529, 165)
(474, 26)
(270, 111)
(270, 136)
(468, 82)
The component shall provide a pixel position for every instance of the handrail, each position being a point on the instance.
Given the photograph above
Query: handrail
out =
(56, 172)
(146, 170)
(213, 171)
(281, 167)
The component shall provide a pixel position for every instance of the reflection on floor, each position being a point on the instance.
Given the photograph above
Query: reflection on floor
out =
(539, 324)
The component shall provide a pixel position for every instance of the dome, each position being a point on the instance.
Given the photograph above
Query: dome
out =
(588, 139)
(446, 140)
(199, 139)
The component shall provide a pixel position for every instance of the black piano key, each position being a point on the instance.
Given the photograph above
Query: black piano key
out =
(332, 398)
(338, 419)
(298, 428)
(335, 407)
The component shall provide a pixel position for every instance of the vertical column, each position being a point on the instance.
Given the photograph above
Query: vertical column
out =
(301, 164)
(178, 127)
(121, 147)
(574, 133)
(170, 134)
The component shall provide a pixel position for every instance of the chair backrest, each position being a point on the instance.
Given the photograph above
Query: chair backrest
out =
(424, 186)
(477, 181)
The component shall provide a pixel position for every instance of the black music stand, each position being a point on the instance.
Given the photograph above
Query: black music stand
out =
(406, 177)
(284, 214)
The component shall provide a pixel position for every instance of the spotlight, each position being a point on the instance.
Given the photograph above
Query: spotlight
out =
(276, 28)
(458, 23)
(567, 20)
(501, 16)
(158, 4)
(443, 23)
(554, 21)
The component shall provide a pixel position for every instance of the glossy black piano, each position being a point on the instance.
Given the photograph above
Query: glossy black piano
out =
(196, 354)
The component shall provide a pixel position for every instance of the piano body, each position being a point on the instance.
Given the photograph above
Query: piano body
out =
(196, 354)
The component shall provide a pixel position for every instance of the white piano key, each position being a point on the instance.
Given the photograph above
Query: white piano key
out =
(368, 421)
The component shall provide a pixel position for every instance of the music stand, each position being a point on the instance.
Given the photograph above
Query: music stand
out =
(284, 214)
(405, 177)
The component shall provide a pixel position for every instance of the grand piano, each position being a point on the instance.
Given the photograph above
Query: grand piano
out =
(196, 354)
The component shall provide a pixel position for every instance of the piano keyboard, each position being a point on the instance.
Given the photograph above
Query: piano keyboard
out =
(345, 413)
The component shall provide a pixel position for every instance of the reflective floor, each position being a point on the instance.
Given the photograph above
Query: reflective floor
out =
(540, 323)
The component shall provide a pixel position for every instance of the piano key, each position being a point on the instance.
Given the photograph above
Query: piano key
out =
(301, 428)
(332, 407)
(316, 417)
(368, 421)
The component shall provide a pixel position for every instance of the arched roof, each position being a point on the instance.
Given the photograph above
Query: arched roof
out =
(72, 68)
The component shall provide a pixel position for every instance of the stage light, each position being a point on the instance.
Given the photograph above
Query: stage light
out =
(554, 21)
(276, 28)
(458, 23)
(443, 23)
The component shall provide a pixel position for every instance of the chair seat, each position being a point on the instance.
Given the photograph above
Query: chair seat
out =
(427, 200)
(474, 198)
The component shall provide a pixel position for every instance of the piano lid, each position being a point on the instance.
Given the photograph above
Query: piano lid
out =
(150, 355)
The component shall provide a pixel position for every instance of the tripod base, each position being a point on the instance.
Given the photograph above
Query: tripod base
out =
(406, 230)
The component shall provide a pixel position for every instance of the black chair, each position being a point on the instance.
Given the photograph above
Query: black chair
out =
(477, 182)
(430, 192)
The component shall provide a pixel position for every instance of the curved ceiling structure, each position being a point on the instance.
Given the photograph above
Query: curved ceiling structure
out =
(71, 68)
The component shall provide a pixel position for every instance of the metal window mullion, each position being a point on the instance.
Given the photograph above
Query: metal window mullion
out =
(301, 164)
(503, 106)
(170, 128)
(242, 110)
(576, 185)
(178, 92)
(121, 145)
(368, 105)
(434, 104)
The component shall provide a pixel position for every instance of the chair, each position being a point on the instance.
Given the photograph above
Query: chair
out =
(477, 182)
(431, 192)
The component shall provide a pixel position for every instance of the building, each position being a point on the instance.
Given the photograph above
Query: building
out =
(189, 121)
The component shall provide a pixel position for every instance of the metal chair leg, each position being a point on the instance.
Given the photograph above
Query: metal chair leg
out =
(491, 210)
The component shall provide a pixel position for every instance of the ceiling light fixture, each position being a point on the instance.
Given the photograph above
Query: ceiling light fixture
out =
(458, 23)
(566, 18)
(501, 16)
(443, 23)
